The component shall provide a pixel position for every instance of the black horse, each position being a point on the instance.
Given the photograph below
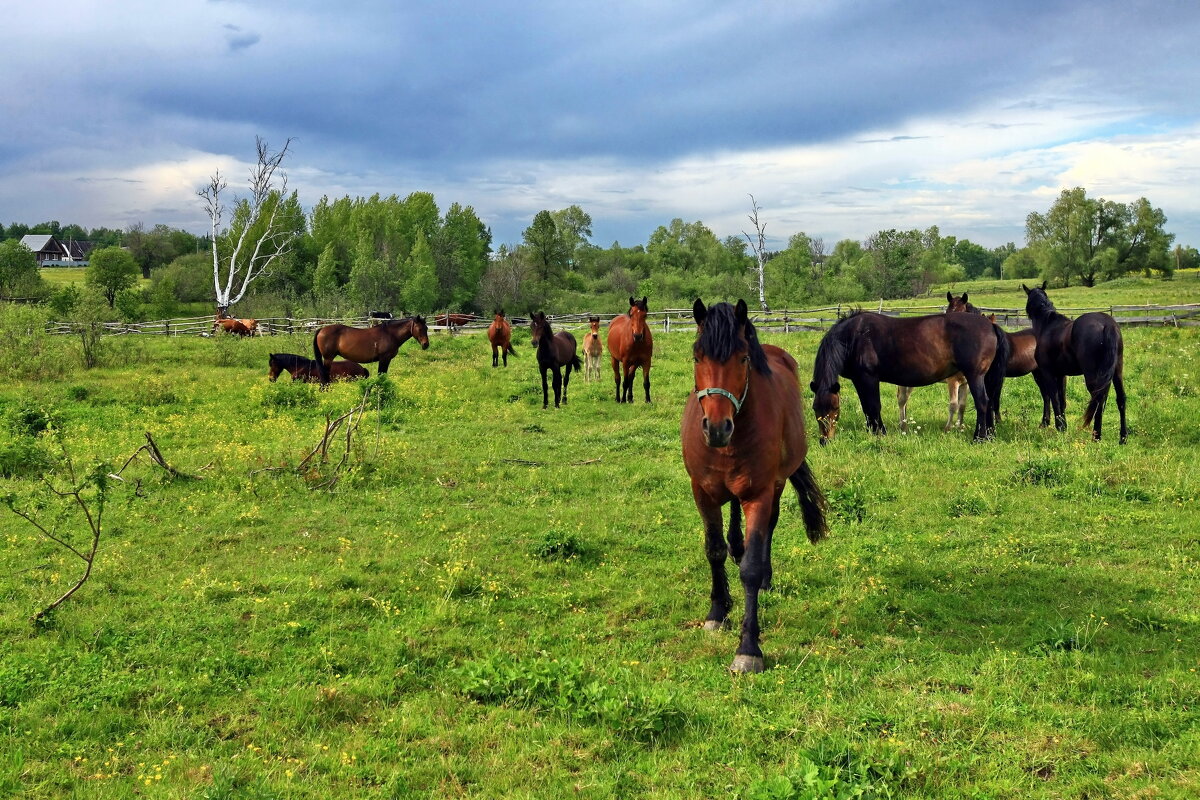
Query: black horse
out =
(1090, 346)
(554, 351)
(870, 348)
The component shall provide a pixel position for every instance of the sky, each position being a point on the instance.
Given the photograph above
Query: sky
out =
(839, 118)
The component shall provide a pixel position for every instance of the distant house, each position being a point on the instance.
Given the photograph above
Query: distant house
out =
(50, 252)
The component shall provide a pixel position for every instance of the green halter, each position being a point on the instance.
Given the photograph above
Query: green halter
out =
(737, 402)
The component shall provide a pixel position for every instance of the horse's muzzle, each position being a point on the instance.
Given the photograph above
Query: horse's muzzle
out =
(717, 435)
(637, 337)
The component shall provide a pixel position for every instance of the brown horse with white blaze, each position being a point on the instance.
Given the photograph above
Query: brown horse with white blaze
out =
(631, 345)
(499, 333)
(743, 440)
(365, 345)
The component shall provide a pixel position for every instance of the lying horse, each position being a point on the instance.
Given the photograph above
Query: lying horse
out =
(364, 345)
(305, 369)
(236, 326)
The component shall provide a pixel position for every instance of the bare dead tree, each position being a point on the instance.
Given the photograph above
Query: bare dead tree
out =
(258, 238)
(759, 245)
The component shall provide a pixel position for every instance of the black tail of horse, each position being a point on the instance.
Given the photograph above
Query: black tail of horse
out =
(1108, 368)
(576, 364)
(510, 349)
(812, 502)
(322, 373)
(993, 380)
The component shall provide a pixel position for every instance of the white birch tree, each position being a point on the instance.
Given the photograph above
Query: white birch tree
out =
(256, 237)
(759, 246)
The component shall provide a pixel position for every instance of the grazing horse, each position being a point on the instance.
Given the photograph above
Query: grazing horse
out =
(305, 369)
(592, 350)
(364, 345)
(743, 439)
(870, 348)
(630, 346)
(499, 333)
(1090, 345)
(554, 351)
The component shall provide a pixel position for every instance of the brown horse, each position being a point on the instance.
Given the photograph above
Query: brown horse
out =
(956, 385)
(305, 369)
(592, 350)
(454, 320)
(743, 439)
(1090, 345)
(870, 348)
(554, 351)
(630, 346)
(230, 325)
(364, 345)
(499, 333)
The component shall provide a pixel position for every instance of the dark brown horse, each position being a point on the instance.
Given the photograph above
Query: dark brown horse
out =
(305, 369)
(956, 385)
(743, 439)
(364, 345)
(499, 333)
(554, 351)
(870, 348)
(1090, 346)
(630, 345)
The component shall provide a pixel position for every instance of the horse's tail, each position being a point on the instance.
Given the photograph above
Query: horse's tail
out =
(510, 348)
(812, 502)
(322, 373)
(576, 364)
(993, 379)
(1108, 368)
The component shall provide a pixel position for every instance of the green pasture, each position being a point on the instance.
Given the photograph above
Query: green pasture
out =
(496, 600)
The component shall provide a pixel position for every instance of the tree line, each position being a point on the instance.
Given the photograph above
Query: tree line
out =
(351, 255)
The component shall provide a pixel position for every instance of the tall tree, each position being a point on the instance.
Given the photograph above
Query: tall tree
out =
(575, 228)
(110, 270)
(759, 245)
(19, 276)
(258, 232)
(545, 245)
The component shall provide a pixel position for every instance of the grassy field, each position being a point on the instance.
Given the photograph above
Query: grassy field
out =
(500, 601)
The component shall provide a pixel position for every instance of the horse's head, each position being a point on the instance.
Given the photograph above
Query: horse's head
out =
(1037, 302)
(274, 367)
(539, 327)
(827, 405)
(498, 316)
(594, 322)
(725, 352)
(955, 304)
(420, 331)
(637, 316)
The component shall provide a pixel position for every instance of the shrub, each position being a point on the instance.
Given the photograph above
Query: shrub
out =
(29, 352)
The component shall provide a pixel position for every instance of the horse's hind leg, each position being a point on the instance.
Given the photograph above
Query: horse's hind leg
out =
(558, 386)
(979, 394)
(646, 380)
(961, 394)
(902, 395)
(1119, 389)
(566, 382)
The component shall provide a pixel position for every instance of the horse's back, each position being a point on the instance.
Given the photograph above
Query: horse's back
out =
(1023, 356)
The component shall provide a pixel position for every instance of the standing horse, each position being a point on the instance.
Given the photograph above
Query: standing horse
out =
(630, 346)
(499, 333)
(1091, 346)
(592, 350)
(743, 439)
(956, 385)
(364, 345)
(554, 351)
(870, 348)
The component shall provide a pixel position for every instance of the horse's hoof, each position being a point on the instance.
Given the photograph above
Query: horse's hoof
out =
(715, 625)
(746, 664)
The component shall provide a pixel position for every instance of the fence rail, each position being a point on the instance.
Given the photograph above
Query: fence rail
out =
(781, 321)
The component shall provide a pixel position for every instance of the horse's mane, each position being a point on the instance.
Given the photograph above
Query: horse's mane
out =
(1038, 304)
(834, 349)
(290, 360)
(718, 338)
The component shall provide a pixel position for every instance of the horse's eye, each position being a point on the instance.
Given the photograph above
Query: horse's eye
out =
(746, 359)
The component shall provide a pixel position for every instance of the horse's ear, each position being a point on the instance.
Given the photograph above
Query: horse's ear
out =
(812, 386)
(741, 312)
(645, 304)
(964, 298)
(1044, 285)
(632, 300)
(949, 297)
(1025, 288)
(699, 311)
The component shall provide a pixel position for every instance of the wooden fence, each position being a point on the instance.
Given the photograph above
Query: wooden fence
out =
(782, 321)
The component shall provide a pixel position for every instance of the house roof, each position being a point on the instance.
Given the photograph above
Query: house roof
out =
(37, 241)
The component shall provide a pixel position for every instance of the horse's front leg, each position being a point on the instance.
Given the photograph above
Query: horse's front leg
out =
(1058, 399)
(715, 551)
(616, 365)
(558, 385)
(868, 397)
(646, 380)
(566, 382)
(979, 394)
(496, 357)
(627, 383)
(545, 390)
(383, 365)
(754, 569)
